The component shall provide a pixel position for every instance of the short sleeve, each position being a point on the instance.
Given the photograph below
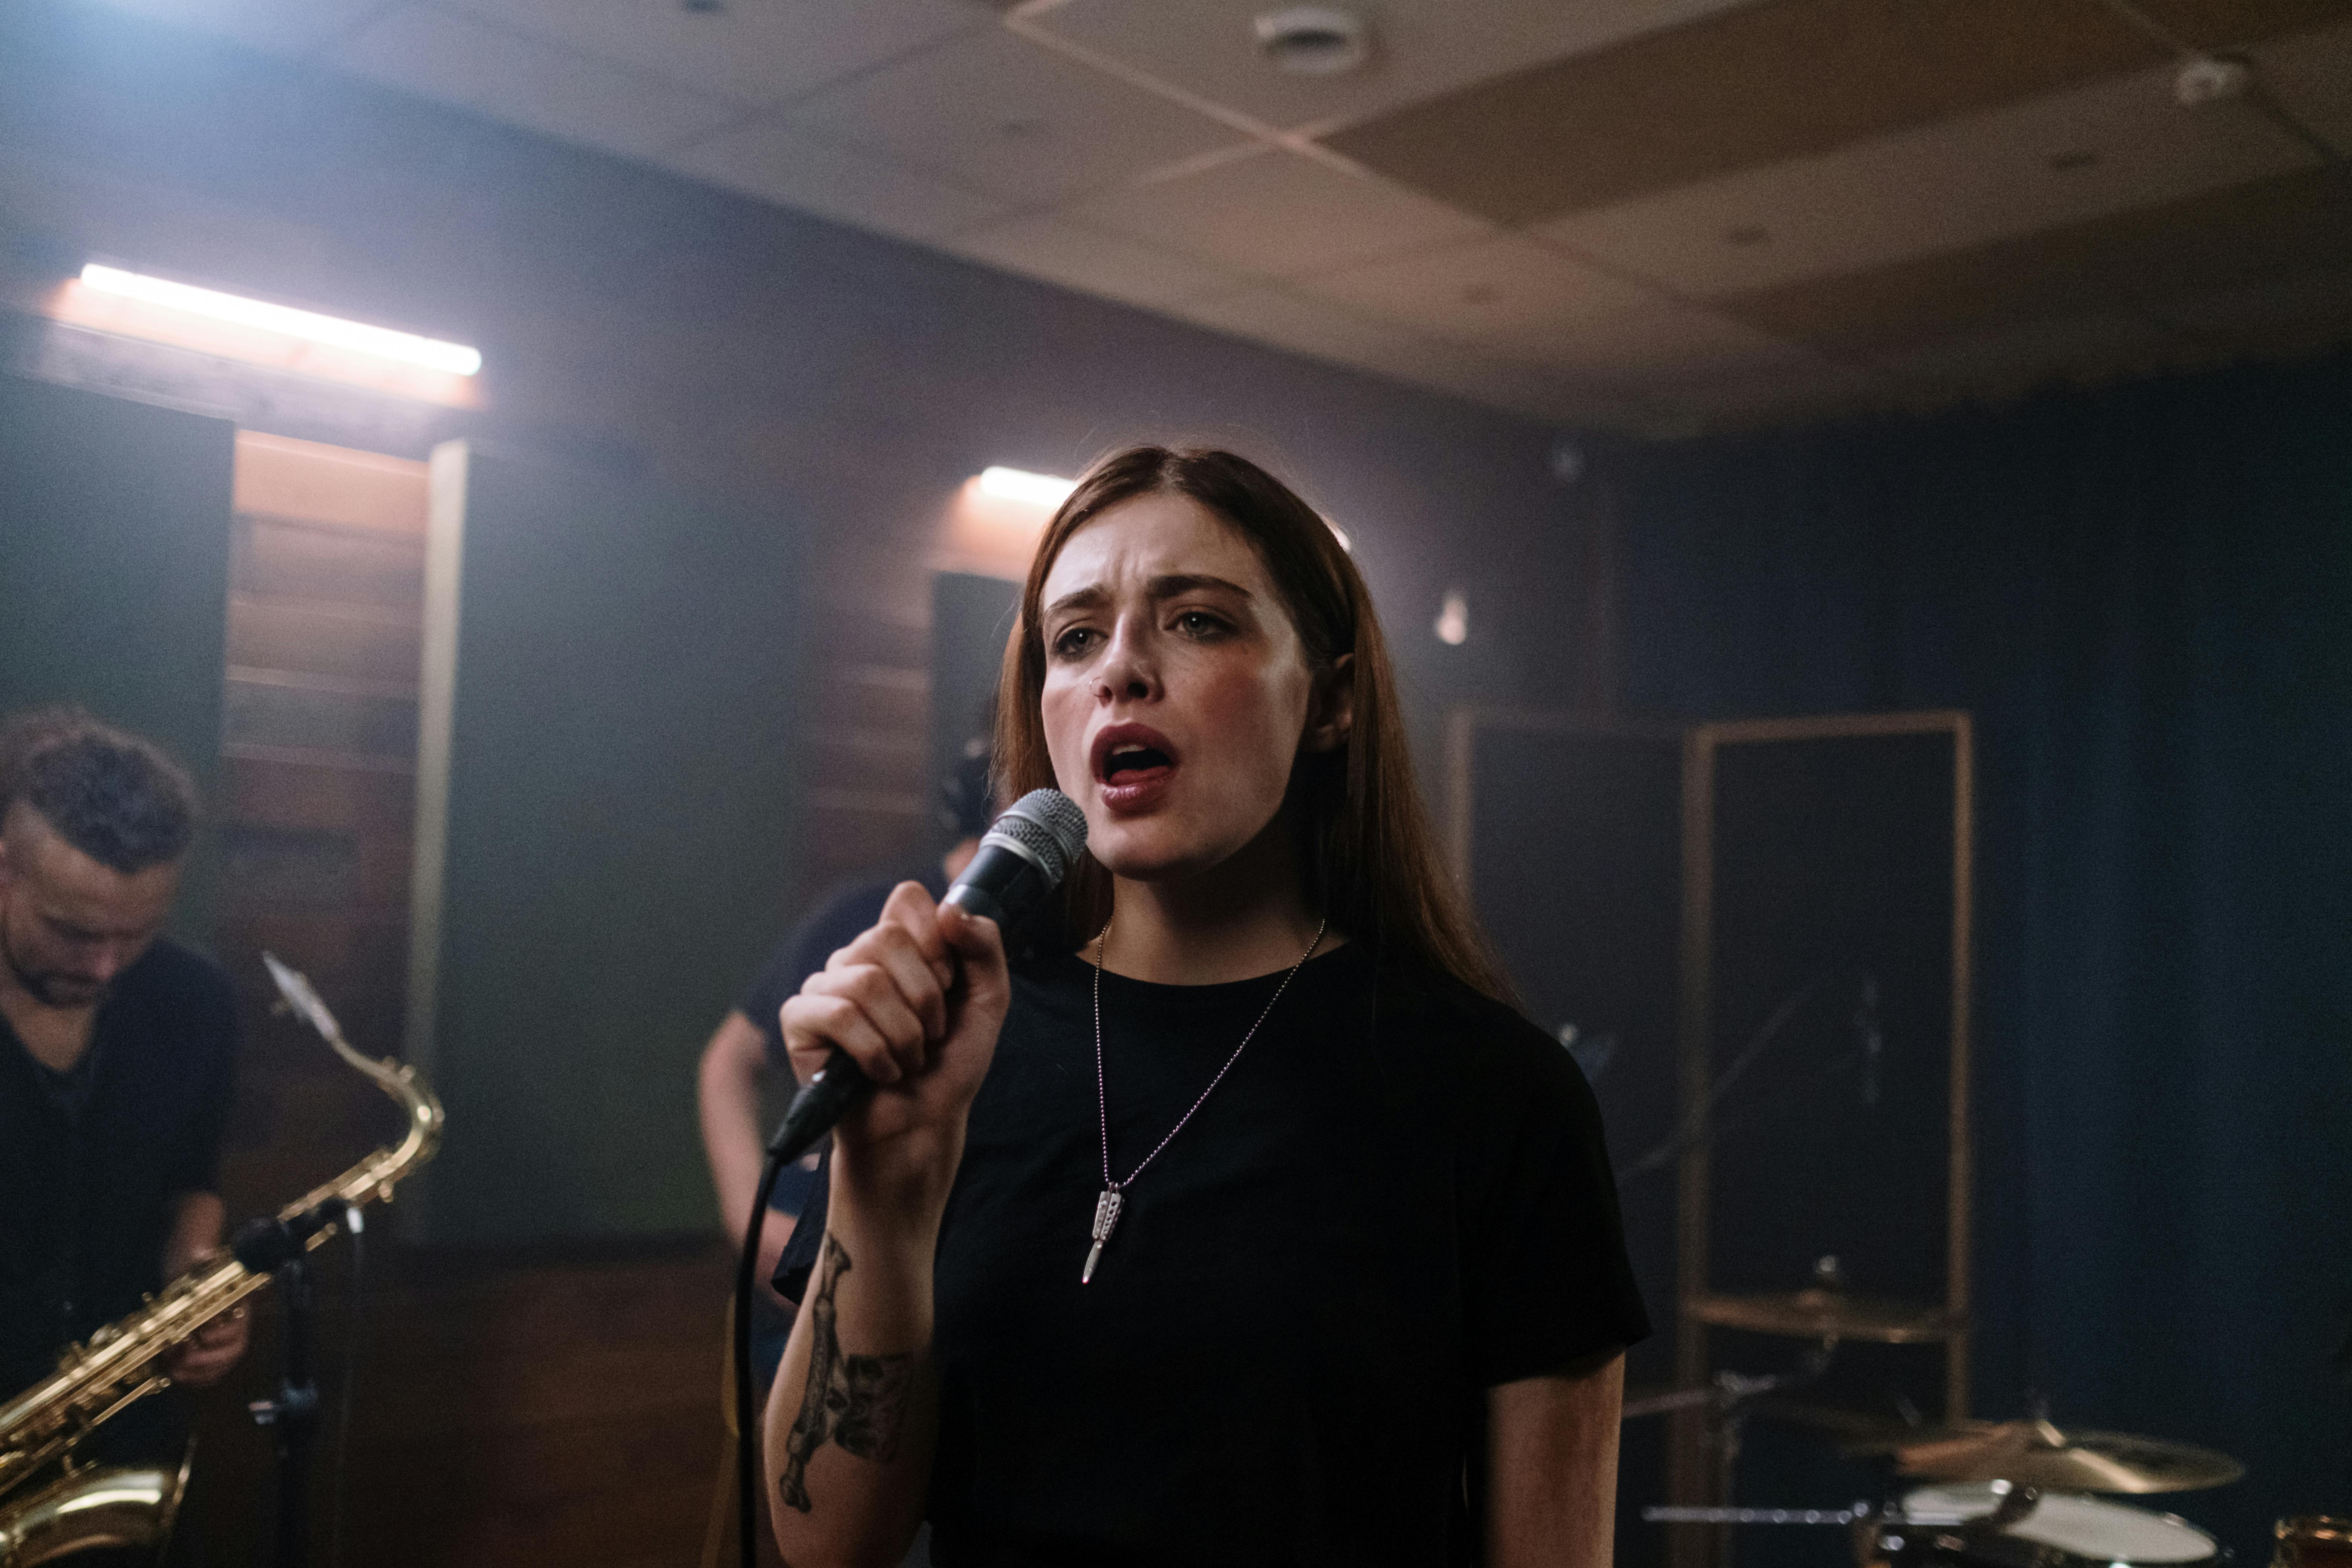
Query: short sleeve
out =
(832, 924)
(1545, 1275)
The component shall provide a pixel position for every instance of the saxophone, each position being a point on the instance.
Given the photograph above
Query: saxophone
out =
(83, 1508)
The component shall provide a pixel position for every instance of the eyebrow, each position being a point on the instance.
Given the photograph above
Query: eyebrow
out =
(1169, 586)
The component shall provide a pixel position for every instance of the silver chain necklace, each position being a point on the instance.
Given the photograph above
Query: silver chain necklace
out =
(1114, 1193)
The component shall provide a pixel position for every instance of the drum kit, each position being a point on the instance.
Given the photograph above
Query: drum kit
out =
(2010, 1494)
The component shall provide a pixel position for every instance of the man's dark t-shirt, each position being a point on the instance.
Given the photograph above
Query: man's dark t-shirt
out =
(831, 926)
(92, 1159)
(1386, 1208)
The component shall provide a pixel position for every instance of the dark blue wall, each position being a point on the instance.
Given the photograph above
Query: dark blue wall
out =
(2145, 596)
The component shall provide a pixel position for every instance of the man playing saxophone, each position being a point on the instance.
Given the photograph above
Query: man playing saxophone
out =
(117, 1055)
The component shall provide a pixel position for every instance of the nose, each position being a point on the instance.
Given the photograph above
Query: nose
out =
(1128, 670)
(108, 962)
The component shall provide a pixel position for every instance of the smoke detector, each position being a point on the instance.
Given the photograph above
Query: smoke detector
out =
(1314, 40)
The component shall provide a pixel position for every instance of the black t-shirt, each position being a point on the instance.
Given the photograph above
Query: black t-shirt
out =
(1385, 1209)
(92, 1159)
(832, 925)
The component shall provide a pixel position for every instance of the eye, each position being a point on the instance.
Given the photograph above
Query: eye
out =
(1198, 623)
(1075, 642)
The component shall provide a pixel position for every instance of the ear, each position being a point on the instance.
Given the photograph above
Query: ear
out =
(1331, 706)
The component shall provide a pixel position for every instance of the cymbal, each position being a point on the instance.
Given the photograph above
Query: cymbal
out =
(2036, 1453)
(1824, 1313)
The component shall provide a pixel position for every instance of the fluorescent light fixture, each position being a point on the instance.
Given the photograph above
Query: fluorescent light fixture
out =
(455, 359)
(1037, 489)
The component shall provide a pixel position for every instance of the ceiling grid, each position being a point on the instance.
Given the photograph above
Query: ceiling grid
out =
(1658, 214)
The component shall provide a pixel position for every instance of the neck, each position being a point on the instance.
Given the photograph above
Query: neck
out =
(1245, 917)
(56, 1036)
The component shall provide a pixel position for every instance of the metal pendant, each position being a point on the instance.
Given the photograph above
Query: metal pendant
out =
(1107, 1209)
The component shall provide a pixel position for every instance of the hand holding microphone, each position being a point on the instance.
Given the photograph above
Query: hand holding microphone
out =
(915, 1003)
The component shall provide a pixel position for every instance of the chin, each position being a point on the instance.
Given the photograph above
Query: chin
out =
(1155, 851)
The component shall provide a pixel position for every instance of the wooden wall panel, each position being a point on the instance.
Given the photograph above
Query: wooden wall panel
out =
(510, 1409)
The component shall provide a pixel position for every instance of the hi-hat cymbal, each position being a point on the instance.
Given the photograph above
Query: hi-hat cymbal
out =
(2036, 1453)
(1822, 1313)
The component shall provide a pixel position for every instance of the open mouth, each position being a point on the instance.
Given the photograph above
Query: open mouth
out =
(1132, 760)
(1128, 762)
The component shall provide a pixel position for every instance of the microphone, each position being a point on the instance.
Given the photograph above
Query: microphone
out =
(1025, 855)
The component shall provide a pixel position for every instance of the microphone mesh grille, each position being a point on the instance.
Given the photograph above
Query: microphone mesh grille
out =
(1049, 825)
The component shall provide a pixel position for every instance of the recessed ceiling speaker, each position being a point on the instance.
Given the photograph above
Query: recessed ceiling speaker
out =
(1314, 40)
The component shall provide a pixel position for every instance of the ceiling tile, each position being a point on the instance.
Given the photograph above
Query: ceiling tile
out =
(778, 163)
(1499, 293)
(1788, 391)
(1293, 322)
(2292, 223)
(2011, 359)
(2311, 75)
(2311, 308)
(2062, 158)
(1663, 342)
(275, 27)
(1208, 47)
(1524, 389)
(1077, 257)
(1272, 214)
(763, 51)
(1324, 331)
(2230, 24)
(538, 86)
(1748, 86)
(1009, 117)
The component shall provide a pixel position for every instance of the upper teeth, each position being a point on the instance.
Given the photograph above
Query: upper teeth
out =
(1122, 750)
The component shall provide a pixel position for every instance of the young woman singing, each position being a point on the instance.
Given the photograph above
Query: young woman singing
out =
(1241, 1219)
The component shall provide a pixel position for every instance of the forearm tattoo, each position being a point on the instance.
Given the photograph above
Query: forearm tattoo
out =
(857, 1401)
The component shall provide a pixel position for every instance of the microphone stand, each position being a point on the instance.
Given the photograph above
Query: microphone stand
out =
(292, 1417)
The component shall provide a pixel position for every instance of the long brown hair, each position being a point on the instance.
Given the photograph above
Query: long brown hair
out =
(1367, 851)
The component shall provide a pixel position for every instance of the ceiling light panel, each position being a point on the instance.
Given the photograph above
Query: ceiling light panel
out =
(1010, 118)
(524, 82)
(758, 51)
(1940, 187)
(1209, 48)
(355, 337)
(1275, 214)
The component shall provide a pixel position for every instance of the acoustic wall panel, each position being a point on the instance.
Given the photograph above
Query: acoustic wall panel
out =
(114, 567)
(970, 617)
(1569, 835)
(607, 834)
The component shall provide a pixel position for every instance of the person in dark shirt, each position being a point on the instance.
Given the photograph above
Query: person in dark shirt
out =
(746, 1052)
(117, 1057)
(1241, 1219)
